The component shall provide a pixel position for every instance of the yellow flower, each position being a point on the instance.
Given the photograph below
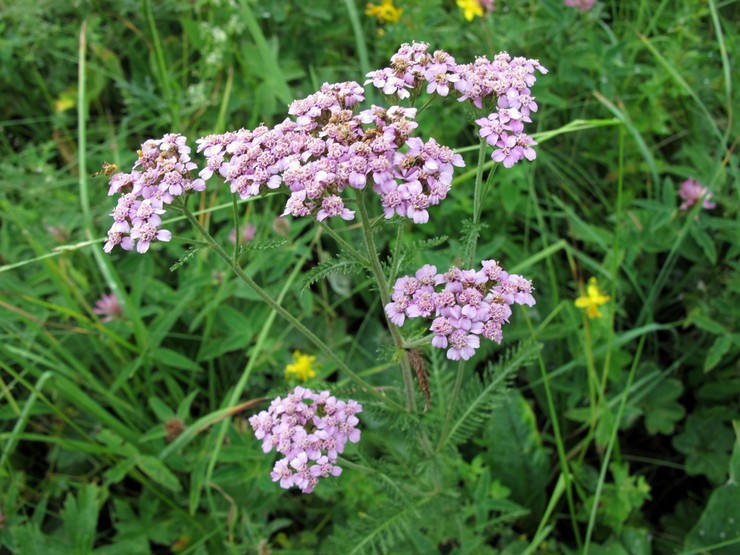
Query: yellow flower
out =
(385, 12)
(471, 9)
(302, 366)
(592, 299)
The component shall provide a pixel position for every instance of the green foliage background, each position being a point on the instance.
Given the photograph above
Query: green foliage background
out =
(618, 435)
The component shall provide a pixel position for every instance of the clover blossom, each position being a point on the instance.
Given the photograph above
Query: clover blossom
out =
(502, 84)
(469, 305)
(310, 430)
(163, 174)
(691, 192)
(108, 307)
(583, 5)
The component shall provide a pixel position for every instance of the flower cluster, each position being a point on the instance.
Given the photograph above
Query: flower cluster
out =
(302, 367)
(592, 300)
(470, 304)
(385, 12)
(310, 430)
(691, 192)
(502, 84)
(108, 307)
(163, 174)
(583, 5)
(329, 148)
(474, 8)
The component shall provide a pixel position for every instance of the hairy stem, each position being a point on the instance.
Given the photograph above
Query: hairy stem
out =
(385, 298)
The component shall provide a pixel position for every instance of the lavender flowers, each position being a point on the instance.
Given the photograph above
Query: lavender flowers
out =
(504, 82)
(164, 174)
(471, 304)
(331, 146)
(310, 430)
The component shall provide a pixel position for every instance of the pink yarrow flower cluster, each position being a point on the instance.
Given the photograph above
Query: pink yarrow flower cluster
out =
(502, 84)
(310, 430)
(463, 305)
(161, 174)
(331, 147)
(691, 192)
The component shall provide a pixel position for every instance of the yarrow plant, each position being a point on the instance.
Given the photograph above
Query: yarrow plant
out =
(310, 430)
(327, 157)
(469, 305)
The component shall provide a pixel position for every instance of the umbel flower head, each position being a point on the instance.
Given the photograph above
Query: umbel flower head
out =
(163, 174)
(592, 300)
(310, 430)
(301, 367)
(470, 304)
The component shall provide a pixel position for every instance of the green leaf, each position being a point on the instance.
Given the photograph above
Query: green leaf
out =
(662, 409)
(80, 518)
(158, 471)
(706, 443)
(621, 498)
(119, 471)
(720, 521)
(517, 457)
(718, 349)
(186, 257)
(341, 264)
(705, 242)
(173, 359)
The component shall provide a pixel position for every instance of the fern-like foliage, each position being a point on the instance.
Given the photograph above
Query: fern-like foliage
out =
(403, 258)
(341, 264)
(264, 245)
(186, 256)
(478, 397)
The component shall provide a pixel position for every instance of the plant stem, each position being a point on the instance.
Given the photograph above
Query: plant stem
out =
(287, 316)
(236, 227)
(477, 194)
(468, 262)
(385, 298)
(344, 243)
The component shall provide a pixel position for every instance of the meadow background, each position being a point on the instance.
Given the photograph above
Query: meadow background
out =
(618, 434)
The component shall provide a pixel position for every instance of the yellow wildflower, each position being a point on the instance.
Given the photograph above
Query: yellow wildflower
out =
(302, 366)
(471, 9)
(592, 299)
(385, 12)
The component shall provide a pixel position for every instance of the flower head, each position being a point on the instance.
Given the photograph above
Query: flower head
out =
(583, 5)
(470, 304)
(385, 12)
(471, 9)
(108, 307)
(301, 367)
(310, 430)
(691, 191)
(592, 300)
